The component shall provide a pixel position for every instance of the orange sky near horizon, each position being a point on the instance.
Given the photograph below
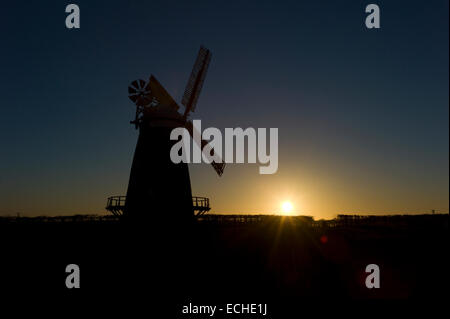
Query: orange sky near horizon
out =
(311, 190)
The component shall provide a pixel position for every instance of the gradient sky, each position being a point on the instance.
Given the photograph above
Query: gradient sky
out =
(362, 114)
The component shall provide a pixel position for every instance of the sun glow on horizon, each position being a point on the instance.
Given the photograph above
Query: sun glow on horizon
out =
(286, 207)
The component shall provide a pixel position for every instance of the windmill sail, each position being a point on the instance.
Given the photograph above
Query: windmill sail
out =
(196, 80)
(218, 166)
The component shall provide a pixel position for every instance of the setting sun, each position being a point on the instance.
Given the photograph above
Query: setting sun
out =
(286, 207)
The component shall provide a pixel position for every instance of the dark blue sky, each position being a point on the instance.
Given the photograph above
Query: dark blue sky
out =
(362, 114)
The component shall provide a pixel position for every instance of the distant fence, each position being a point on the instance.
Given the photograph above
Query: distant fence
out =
(416, 221)
(437, 221)
(61, 219)
(252, 219)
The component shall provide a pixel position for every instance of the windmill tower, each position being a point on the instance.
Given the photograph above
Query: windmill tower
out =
(157, 186)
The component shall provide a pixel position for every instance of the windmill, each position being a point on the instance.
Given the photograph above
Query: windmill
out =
(157, 185)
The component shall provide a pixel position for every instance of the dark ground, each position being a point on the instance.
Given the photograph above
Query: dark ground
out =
(280, 261)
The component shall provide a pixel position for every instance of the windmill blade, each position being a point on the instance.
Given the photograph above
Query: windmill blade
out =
(131, 90)
(218, 166)
(133, 98)
(195, 83)
(135, 84)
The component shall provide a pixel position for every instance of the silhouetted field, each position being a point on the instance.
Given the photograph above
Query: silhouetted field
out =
(228, 258)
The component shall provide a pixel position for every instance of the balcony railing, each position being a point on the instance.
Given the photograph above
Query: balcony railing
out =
(201, 205)
(116, 205)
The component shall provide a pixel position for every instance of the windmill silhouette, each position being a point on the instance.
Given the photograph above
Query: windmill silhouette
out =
(158, 187)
